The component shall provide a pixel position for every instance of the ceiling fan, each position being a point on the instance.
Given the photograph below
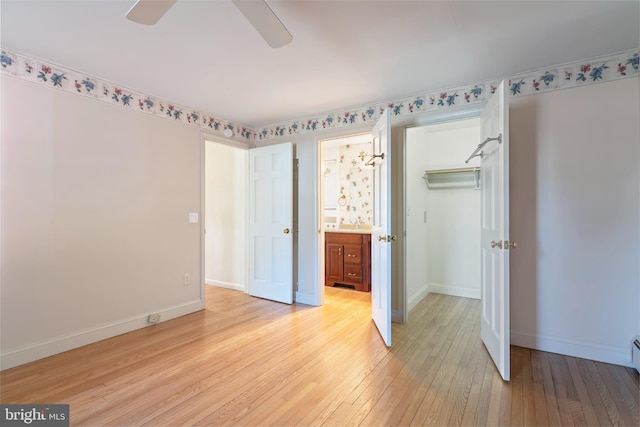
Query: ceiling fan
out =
(257, 12)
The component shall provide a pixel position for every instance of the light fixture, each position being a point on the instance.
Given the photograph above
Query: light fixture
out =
(372, 157)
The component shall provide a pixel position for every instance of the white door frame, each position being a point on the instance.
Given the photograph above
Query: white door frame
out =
(426, 119)
(204, 137)
(319, 199)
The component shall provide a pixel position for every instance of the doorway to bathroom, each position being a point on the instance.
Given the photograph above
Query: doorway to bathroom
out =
(347, 212)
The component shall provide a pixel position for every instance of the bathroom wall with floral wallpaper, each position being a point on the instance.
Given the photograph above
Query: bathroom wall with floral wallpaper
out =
(353, 187)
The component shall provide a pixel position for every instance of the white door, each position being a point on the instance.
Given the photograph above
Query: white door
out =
(381, 239)
(495, 327)
(271, 222)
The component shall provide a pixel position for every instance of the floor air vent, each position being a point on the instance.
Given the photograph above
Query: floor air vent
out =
(635, 352)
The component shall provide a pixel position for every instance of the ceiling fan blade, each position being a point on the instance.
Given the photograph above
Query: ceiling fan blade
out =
(260, 15)
(148, 12)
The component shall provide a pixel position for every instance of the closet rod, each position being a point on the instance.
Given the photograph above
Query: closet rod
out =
(481, 145)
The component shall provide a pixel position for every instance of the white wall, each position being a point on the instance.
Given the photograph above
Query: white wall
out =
(416, 205)
(453, 251)
(226, 215)
(575, 200)
(95, 232)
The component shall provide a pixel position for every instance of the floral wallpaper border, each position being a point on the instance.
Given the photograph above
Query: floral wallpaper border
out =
(576, 74)
(37, 71)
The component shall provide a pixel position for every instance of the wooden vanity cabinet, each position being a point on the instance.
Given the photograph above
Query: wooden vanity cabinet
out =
(347, 260)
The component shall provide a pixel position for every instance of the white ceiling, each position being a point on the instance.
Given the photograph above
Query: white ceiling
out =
(205, 55)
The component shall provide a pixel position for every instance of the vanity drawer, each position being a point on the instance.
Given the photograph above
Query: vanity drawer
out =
(352, 254)
(352, 273)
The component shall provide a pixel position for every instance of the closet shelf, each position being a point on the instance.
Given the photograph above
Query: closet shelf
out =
(442, 175)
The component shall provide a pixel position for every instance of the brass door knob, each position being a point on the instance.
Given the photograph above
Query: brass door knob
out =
(496, 244)
(286, 231)
(508, 244)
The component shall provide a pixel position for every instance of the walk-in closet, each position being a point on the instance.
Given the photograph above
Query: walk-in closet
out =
(442, 210)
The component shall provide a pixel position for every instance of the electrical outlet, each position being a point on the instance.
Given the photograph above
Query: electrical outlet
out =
(187, 279)
(152, 319)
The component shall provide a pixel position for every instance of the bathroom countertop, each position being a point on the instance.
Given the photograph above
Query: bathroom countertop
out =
(350, 230)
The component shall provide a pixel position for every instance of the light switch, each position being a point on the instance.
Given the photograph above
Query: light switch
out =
(193, 217)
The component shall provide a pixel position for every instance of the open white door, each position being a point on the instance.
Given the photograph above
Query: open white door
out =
(495, 329)
(271, 222)
(381, 230)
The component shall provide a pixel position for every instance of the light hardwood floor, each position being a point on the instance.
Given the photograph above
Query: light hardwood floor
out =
(247, 361)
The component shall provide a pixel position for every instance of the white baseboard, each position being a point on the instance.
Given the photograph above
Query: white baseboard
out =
(584, 350)
(414, 299)
(308, 299)
(78, 339)
(456, 291)
(227, 285)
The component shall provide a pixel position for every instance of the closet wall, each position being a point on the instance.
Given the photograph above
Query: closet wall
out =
(226, 190)
(443, 219)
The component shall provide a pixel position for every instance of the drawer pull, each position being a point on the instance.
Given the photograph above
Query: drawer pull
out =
(351, 255)
(351, 274)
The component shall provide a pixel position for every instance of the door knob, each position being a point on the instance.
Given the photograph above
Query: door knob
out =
(496, 244)
(508, 244)
(286, 231)
(382, 238)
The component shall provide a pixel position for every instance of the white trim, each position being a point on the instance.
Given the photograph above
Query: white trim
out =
(456, 291)
(245, 145)
(318, 184)
(203, 218)
(417, 297)
(226, 285)
(585, 350)
(308, 299)
(67, 342)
